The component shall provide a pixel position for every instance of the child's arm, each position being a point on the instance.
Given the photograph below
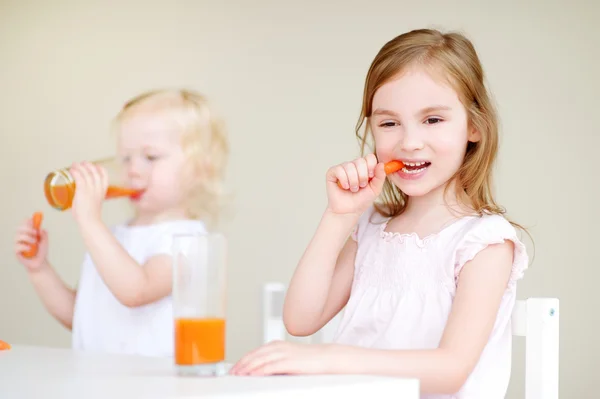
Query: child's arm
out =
(322, 281)
(321, 284)
(442, 370)
(131, 283)
(57, 297)
(31, 249)
(445, 369)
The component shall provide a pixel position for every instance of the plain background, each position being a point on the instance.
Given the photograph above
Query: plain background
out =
(288, 77)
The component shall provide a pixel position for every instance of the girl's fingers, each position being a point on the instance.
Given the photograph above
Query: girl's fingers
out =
(22, 247)
(257, 363)
(363, 172)
(379, 179)
(27, 238)
(273, 365)
(92, 174)
(338, 174)
(26, 230)
(103, 178)
(241, 364)
(43, 235)
(250, 357)
(78, 175)
(85, 174)
(98, 173)
(356, 174)
(371, 160)
(352, 174)
(285, 365)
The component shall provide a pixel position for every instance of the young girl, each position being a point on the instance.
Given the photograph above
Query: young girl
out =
(174, 149)
(428, 274)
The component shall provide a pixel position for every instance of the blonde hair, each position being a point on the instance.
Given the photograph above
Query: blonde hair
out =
(453, 58)
(204, 142)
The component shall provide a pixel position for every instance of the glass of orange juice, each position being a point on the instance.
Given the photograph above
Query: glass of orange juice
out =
(59, 185)
(199, 289)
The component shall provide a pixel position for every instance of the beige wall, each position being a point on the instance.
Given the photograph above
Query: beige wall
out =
(289, 82)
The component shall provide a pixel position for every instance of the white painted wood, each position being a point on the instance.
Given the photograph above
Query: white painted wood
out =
(519, 319)
(272, 309)
(273, 327)
(537, 319)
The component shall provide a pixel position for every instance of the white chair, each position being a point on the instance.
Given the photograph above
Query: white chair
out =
(536, 319)
(273, 327)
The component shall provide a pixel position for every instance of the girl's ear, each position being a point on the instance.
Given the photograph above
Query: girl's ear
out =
(474, 135)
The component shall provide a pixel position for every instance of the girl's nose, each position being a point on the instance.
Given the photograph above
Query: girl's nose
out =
(411, 140)
(133, 172)
(135, 168)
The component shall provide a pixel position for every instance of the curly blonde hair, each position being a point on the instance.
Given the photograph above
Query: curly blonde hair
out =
(204, 142)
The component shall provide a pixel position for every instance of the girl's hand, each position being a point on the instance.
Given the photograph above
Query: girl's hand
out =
(29, 237)
(361, 180)
(91, 182)
(280, 357)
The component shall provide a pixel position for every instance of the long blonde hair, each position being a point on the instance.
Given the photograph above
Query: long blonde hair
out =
(452, 57)
(204, 142)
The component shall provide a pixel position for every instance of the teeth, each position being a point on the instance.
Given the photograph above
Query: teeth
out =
(412, 171)
(414, 163)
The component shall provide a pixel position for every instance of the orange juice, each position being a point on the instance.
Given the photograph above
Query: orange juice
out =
(61, 196)
(59, 184)
(199, 341)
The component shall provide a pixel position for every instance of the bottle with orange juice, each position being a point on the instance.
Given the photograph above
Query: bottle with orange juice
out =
(59, 186)
(199, 289)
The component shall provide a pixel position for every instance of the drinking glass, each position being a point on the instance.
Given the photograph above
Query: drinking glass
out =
(59, 185)
(199, 289)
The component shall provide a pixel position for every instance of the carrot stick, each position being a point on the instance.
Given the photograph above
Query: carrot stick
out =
(115, 191)
(389, 167)
(393, 167)
(4, 345)
(37, 223)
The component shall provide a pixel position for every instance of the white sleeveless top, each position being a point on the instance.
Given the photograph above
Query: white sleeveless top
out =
(404, 287)
(102, 324)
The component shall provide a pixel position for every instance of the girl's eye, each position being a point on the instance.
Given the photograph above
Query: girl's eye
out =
(433, 120)
(388, 124)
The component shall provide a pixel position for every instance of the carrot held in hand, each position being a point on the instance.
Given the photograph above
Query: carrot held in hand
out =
(4, 345)
(390, 167)
(393, 167)
(37, 223)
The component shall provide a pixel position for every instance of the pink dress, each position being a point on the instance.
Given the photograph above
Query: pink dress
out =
(404, 287)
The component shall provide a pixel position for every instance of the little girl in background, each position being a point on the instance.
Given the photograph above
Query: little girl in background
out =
(427, 275)
(173, 148)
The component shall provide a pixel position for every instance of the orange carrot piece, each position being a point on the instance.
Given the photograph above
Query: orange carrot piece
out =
(389, 167)
(37, 223)
(37, 220)
(4, 345)
(393, 167)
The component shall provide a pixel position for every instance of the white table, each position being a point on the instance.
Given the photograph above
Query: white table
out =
(36, 372)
